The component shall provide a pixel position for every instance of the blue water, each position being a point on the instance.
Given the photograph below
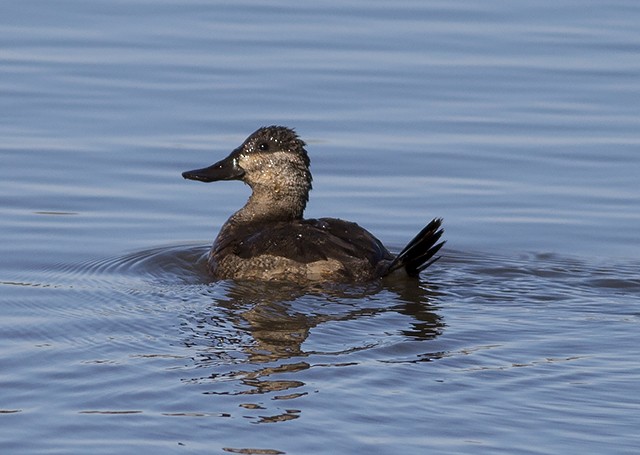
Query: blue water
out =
(518, 123)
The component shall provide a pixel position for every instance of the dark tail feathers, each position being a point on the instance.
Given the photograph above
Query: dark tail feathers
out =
(418, 254)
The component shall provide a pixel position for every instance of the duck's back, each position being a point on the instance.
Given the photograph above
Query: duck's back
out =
(325, 249)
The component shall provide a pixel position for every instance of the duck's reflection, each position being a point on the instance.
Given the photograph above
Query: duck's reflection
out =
(254, 338)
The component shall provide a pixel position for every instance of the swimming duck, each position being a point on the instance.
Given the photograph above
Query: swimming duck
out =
(268, 238)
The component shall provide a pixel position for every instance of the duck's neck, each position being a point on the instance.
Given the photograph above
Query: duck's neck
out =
(273, 203)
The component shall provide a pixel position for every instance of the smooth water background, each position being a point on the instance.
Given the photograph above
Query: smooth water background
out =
(517, 122)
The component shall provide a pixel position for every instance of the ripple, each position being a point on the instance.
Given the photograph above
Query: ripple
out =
(167, 265)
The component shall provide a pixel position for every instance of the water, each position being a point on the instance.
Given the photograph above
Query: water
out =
(517, 123)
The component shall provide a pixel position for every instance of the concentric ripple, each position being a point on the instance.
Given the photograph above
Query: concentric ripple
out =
(166, 265)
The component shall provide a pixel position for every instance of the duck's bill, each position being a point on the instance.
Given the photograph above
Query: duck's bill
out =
(226, 169)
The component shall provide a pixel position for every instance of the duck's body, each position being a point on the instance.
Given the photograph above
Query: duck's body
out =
(268, 239)
(299, 250)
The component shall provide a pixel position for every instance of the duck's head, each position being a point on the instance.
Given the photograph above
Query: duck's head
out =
(273, 162)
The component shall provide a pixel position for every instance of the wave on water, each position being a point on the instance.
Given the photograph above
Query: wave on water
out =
(166, 265)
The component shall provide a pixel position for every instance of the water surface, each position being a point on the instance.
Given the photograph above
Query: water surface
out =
(518, 124)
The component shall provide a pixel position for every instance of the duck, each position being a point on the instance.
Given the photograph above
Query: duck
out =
(269, 239)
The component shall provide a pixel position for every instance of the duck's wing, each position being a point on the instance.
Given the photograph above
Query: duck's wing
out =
(351, 240)
(306, 241)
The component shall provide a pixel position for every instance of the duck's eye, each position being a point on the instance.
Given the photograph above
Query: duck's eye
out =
(263, 147)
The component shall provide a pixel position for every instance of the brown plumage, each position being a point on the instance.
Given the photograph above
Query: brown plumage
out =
(268, 239)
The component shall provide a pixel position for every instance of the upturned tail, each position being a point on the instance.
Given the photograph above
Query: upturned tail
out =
(419, 252)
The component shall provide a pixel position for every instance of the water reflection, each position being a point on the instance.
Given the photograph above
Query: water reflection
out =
(257, 339)
(256, 346)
